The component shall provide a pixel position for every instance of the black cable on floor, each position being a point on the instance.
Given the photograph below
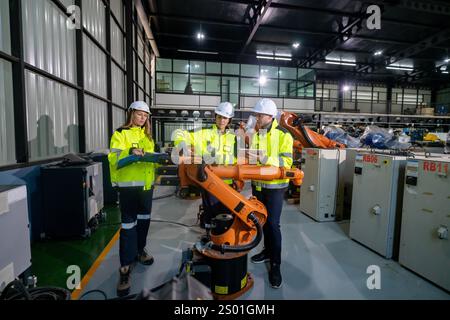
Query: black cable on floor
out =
(17, 291)
(94, 291)
(153, 220)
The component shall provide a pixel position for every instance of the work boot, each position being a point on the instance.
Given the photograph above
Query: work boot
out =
(123, 288)
(260, 257)
(145, 258)
(275, 278)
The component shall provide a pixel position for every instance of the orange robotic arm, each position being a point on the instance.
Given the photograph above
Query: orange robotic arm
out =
(249, 214)
(305, 137)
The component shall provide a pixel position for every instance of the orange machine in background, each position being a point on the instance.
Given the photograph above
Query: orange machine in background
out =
(304, 137)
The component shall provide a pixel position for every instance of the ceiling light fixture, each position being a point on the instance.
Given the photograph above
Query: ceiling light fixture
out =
(200, 36)
(264, 53)
(341, 62)
(284, 59)
(400, 68)
(378, 53)
(283, 55)
(296, 45)
(265, 57)
(194, 51)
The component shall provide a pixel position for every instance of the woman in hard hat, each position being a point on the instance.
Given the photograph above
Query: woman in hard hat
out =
(135, 183)
(217, 146)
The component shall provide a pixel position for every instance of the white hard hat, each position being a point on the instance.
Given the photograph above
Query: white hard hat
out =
(225, 109)
(141, 106)
(266, 106)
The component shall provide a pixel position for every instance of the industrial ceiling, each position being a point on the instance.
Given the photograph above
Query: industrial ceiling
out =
(333, 37)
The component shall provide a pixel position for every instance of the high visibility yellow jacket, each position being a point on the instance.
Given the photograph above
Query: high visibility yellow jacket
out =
(215, 147)
(139, 174)
(210, 144)
(277, 145)
(182, 138)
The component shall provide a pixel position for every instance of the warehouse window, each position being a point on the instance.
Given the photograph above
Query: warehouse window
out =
(288, 88)
(48, 44)
(269, 88)
(198, 83)
(117, 44)
(181, 66)
(362, 95)
(197, 67)
(164, 65)
(141, 74)
(230, 68)
(5, 37)
(230, 89)
(52, 117)
(147, 83)
(212, 85)
(94, 19)
(118, 85)
(140, 47)
(164, 82)
(213, 67)
(118, 117)
(269, 72)
(179, 82)
(306, 75)
(253, 80)
(96, 124)
(288, 73)
(250, 86)
(305, 90)
(249, 70)
(7, 141)
(323, 93)
(411, 99)
(94, 68)
(117, 10)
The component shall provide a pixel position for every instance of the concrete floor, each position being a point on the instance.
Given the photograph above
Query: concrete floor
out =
(319, 261)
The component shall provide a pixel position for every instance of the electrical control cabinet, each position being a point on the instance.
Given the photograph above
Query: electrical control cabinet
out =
(376, 201)
(322, 191)
(72, 199)
(424, 241)
(349, 170)
(15, 242)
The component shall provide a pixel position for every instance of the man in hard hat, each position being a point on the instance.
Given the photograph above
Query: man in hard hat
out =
(217, 146)
(275, 147)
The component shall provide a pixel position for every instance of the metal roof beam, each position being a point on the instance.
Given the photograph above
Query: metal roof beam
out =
(337, 13)
(346, 31)
(409, 52)
(254, 15)
(188, 36)
(429, 6)
(275, 28)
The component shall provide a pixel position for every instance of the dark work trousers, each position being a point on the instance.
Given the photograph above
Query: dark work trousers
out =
(212, 207)
(273, 201)
(135, 208)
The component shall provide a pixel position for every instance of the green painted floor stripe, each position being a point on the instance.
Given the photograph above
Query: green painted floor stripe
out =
(50, 259)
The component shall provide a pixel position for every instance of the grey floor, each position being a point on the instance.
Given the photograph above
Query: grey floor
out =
(319, 261)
